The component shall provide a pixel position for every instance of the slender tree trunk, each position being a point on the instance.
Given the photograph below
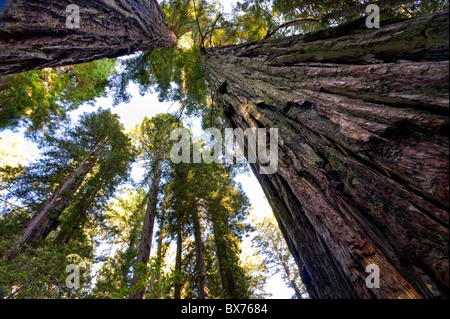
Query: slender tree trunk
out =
(203, 292)
(145, 244)
(363, 150)
(44, 220)
(178, 259)
(34, 33)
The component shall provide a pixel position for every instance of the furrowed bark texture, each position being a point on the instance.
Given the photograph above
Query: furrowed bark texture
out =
(34, 34)
(363, 150)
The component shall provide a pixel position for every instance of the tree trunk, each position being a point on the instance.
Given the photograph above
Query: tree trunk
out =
(203, 292)
(34, 34)
(178, 281)
(159, 250)
(227, 275)
(65, 235)
(44, 220)
(363, 150)
(145, 244)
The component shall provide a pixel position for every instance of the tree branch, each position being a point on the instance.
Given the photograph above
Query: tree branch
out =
(290, 23)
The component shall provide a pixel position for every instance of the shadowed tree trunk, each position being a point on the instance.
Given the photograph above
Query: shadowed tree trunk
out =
(363, 150)
(34, 34)
(145, 244)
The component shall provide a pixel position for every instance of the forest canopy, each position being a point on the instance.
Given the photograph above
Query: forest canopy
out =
(109, 205)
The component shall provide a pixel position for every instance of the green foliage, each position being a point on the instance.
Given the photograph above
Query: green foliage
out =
(41, 100)
(41, 273)
(64, 149)
(270, 244)
(222, 206)
(175, 74)
(42, 97)
(32, 271)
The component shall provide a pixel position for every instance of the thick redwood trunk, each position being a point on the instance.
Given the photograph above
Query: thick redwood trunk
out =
(34, 34)
(363, 150)
(44, 220)
(145, 244)
(203, 292)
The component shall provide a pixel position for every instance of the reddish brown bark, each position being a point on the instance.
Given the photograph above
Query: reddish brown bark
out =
(34, 34)
(363, 149)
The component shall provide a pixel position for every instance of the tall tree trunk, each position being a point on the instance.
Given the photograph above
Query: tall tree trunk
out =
(160, 254)
(363, 150)
(178, 282)
(145, 244)
(225, 257)
(44, 220)
(34, 34)
(203, 292)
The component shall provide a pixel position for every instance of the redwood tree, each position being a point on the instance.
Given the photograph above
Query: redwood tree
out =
(34, 34)
(70, 156)
(153, 143)
(363, 149)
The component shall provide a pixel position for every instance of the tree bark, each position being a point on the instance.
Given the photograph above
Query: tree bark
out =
(145, 244)
(203, 292)
(44, 220)
(34, 34)
(363, 149)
